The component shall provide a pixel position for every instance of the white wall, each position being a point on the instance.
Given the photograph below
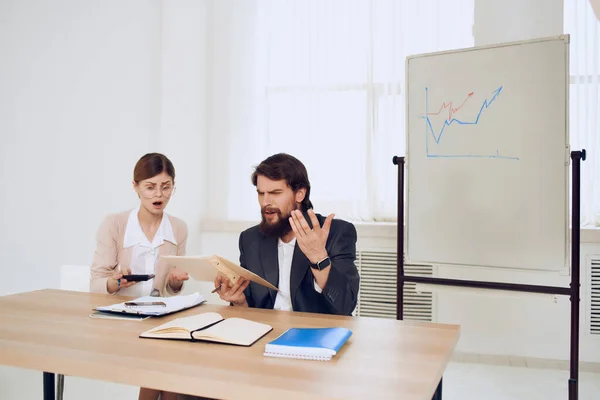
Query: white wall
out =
(522, 324)
(86, 88)
(79, 104)
(184, 114)
(234, 85)
(514, 20)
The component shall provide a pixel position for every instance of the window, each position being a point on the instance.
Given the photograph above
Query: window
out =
(583, 26)
(331, 93)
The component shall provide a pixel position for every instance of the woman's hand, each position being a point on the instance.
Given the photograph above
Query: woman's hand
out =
(116, 282)
(176, 279)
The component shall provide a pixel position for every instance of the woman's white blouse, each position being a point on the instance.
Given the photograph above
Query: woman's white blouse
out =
(144, 254)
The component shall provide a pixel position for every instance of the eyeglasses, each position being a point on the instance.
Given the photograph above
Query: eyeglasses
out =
(150, 192)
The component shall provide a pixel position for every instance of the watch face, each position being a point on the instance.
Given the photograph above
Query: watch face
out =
(324, 264)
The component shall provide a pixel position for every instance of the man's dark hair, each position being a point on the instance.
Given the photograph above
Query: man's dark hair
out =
(284, 166)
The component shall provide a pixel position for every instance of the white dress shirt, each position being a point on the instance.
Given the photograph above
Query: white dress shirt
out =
(144, 254)
(285, 254)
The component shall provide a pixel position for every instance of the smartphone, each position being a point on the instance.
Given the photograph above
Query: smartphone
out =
(138, 278)
(145, 304)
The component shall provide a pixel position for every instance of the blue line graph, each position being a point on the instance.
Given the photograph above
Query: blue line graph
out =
(447, 122)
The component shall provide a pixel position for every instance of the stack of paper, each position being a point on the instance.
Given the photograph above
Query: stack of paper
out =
(173, 304)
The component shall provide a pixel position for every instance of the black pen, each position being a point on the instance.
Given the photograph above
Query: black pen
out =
(145, 304)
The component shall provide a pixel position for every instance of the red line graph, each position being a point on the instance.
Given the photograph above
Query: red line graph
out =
(452, 110)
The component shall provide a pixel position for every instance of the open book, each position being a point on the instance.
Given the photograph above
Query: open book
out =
(171, 305)
(206, 268)
(210, 327)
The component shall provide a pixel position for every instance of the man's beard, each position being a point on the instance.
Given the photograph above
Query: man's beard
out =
(279, 228)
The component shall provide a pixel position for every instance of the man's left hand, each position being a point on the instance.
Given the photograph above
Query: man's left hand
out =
(311, 241)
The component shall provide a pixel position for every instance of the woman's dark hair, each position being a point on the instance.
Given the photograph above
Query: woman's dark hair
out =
(284, 166)
(152, 164)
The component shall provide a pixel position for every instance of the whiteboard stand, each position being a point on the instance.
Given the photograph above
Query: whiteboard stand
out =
(572, 291)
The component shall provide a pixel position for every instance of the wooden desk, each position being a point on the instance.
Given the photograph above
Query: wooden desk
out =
(50, 330)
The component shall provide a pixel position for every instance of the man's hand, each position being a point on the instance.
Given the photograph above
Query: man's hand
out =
(311, 241)
(232, 293)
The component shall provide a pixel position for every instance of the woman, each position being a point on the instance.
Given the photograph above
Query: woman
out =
(130, 242)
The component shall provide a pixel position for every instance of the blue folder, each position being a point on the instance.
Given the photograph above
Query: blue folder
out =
(308, 343)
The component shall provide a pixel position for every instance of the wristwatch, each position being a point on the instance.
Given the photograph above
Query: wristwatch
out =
(321, 265)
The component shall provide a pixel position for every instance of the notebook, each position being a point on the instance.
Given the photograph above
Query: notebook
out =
(173, 304)
(206, 268)
(308, 343)
(210, 327)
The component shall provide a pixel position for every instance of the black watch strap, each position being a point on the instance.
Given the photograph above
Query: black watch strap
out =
(321, 265)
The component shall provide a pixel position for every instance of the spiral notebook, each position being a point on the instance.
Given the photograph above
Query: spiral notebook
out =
(308, 343)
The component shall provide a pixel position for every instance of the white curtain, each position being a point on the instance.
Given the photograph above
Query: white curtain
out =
(328, 88)
(583, 26)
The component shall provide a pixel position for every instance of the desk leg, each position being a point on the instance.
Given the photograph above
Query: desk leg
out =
(49, 386)
(438, 392)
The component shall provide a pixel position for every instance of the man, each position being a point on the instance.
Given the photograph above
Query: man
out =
(310, 258)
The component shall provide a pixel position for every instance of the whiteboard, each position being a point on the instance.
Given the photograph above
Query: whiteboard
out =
(488, 156)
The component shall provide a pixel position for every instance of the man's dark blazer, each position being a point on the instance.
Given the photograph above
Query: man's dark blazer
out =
(258, 253)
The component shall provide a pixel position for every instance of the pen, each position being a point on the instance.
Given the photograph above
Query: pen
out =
(219, 287)
(145, 304)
